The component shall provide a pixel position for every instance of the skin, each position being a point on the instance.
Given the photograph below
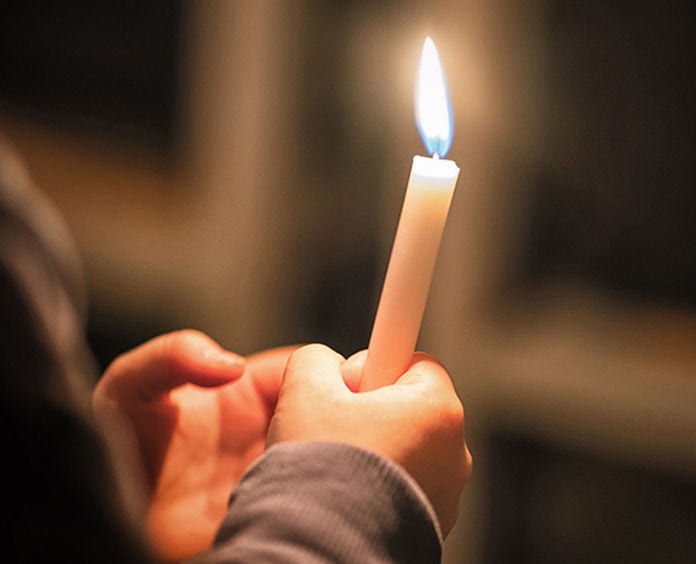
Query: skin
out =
(201, 415)
(417, 422)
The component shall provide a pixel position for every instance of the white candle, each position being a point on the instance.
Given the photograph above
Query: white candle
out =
(417, 241)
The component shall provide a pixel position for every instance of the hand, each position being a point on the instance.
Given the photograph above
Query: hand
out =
(417, 422)
(200, 416)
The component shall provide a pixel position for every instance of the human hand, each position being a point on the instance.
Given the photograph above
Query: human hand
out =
(417, 422)
(198, 424)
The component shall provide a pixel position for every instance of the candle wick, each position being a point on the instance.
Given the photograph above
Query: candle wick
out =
(436, 156)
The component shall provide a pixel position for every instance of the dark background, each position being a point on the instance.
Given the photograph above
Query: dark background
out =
(610, 204)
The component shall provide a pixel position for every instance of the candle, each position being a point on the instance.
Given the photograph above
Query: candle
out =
(422, 221)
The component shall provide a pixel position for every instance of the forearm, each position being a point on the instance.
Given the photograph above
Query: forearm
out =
(326, 502)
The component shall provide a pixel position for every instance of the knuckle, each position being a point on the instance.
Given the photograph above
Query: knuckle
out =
(433, 365)
(317, 348)
(462, 472)
(453, 412)
(115, 367)
(468, 466)
(422, 357)
(313, 351)
(114, 378)
(115, 372)
(177, 344)
(176, 339)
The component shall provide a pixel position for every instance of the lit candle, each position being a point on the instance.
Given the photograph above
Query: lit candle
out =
(423, 216)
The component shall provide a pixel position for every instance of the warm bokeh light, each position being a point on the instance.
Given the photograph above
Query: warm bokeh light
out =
(238, 168)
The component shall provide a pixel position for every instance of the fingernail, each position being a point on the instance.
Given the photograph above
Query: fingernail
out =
(224, 359)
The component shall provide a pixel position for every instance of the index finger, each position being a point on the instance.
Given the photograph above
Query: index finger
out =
(166, 362)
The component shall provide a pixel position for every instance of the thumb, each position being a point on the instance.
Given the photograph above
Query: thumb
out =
(425, 371)
(313, 367)
(158, 366)
(352, 370)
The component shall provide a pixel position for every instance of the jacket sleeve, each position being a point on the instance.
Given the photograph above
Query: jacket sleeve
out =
(326, 502)
(65, 503)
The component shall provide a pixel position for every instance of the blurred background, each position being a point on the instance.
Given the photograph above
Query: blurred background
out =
(238, 167)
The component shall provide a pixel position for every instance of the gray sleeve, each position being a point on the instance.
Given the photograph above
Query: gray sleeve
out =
(326, 502)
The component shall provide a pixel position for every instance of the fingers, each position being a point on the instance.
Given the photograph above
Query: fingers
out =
(432, 385)
(313, 367)
(266, 369)
(166, 362)
(424, 370)
(352, 370)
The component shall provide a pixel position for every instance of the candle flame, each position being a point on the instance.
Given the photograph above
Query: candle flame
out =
(433, 109)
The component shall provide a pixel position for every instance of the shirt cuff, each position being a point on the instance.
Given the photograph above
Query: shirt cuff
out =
(328, 502)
